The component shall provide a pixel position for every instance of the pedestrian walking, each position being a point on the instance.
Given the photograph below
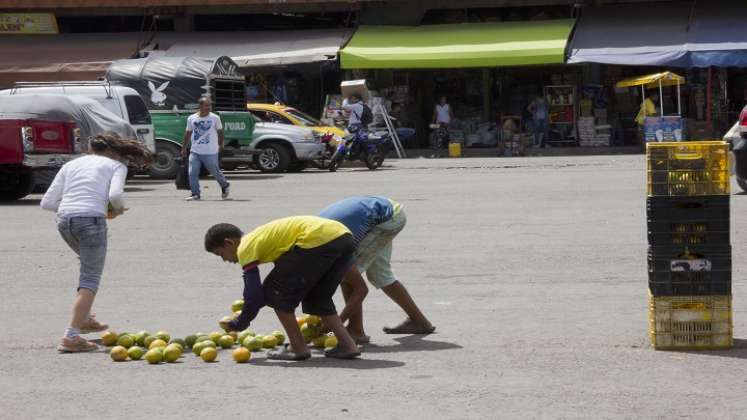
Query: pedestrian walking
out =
(84, 193)
(203, 141)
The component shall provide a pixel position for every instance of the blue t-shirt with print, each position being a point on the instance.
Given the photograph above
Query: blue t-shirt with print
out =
(360, 214)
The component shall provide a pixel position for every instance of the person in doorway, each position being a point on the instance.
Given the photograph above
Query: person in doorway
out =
(203, 141)
(442, 113)
(353, 106)
(84, 193)
(648, 108)
(443, 117)
(389, 103)
(540, 120)
(405, 134)
(374, 223)
(310, 256)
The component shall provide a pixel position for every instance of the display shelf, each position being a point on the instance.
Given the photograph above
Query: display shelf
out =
(562, 99)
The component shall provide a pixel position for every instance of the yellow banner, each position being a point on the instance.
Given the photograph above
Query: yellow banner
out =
(28, 23)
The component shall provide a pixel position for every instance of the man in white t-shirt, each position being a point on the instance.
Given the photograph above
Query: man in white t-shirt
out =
(442, 113)
(204, 140)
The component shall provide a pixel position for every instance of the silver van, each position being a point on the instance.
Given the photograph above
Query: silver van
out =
(123, 101)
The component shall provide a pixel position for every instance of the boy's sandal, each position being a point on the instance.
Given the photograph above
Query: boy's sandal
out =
(288, 355)
(409, 327)
(337, 353)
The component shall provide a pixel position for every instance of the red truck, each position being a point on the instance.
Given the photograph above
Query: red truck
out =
(32, 150)
(40, 133)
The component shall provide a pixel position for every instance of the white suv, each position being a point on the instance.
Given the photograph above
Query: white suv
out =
(123, 101)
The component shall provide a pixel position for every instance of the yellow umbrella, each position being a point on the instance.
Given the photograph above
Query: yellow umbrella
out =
(651, 81)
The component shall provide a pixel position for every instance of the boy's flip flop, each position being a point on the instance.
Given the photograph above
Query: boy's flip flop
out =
(409, 327)
(285, 354)
(337, 353)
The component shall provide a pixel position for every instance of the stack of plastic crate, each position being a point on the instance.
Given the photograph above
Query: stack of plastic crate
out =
(689, 257)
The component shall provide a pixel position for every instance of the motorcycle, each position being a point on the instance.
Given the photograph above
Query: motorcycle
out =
(370, 149)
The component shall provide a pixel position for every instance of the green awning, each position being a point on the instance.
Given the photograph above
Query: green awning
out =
(457, 45)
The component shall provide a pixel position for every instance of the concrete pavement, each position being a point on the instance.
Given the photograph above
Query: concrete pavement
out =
(533, 270)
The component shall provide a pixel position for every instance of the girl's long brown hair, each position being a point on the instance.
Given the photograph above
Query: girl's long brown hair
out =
(133, 151)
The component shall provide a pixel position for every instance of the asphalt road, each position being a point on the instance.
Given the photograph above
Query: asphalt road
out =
(533, 270)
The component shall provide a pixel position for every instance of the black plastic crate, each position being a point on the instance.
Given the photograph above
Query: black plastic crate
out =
(671, 233)
(688, 209)
(689, 271)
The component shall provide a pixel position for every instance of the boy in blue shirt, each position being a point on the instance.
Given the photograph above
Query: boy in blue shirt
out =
(374, 223)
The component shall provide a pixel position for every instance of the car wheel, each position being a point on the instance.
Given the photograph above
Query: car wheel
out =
(164, 165)
(273, 159)
(742, 183)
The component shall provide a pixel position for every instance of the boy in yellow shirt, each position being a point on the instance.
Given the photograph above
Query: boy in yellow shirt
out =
(311, 256)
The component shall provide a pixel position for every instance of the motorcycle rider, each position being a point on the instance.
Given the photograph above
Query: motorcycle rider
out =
(353, 106)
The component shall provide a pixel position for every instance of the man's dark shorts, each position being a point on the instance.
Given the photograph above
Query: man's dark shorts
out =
(309, 276)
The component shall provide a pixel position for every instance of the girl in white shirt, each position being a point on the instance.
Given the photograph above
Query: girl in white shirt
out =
(84, 193)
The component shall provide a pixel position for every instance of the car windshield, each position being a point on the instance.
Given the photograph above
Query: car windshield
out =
(305, 119)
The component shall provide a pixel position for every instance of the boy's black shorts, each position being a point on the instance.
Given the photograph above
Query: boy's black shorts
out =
(309, 276)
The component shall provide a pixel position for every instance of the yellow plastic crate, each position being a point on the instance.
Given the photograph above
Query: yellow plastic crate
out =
(690, 322)
(688, 168)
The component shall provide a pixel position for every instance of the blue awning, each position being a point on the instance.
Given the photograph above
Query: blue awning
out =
(660, 34)
(718, 36)
(631, 34)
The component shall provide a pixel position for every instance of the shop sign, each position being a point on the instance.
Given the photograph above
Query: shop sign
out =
(28, 23)
(658, 129)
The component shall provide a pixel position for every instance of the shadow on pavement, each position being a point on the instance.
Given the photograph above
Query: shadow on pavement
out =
(148, 181)
(24, 202)
(739, 351)
(251, 176)
(319, 361)
(411, 343)
(220, 200)
(138, 189)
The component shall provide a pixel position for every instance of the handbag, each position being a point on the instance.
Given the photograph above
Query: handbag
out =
(182, 175)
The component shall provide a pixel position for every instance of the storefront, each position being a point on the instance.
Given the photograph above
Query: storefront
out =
(475, 65)
(703, 42)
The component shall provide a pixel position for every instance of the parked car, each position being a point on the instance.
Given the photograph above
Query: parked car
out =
(737, 138)
(281, 114)
(40, 133)
(120, 100)
(284, 147)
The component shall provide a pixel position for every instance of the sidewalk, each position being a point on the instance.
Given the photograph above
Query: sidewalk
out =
(554, 151)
